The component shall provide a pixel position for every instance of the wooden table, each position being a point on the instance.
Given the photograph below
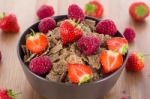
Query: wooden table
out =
(135, 85)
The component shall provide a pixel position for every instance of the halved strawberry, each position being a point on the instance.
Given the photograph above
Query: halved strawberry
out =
(79, 73)
(110, 61)
(37, 42)
(70, 31)
(118, 44)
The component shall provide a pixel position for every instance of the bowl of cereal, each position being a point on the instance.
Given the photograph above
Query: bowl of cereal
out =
(65, 57)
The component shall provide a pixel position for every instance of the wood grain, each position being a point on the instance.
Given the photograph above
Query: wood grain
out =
(135, 85)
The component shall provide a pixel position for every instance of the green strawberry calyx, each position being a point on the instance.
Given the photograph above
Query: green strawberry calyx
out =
(124, 49)
(85, 78)
(90, 8)
(140, 56)
(2, 15)
(11, 94)
(76, 24)
(141, 10)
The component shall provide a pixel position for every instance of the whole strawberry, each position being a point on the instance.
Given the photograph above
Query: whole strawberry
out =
(139, 11)
(94, 9)
(129, 34)
(46, 25)
(135, 62)
(106, 26)
(70, 31)
(88, 45)
(45, 11)
(7, 94)
(75, 12)
(9, 23)
(40, 65)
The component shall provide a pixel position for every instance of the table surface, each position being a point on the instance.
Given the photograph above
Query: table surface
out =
(134, 85)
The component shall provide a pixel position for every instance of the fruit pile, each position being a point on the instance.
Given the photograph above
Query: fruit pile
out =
(74, 50)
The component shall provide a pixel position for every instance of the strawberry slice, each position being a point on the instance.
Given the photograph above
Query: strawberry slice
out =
(37, 42)
(79, 73)
(110, 61)
(118, 44)
(70, 31)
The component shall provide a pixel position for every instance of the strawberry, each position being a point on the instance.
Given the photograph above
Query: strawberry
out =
(118, 44)
(110, 61)
(70, 31)
(9, 23)
(36, 42)
(135, 62)
(7, 94)
(139, 11)
(94, 9)
(79, 73)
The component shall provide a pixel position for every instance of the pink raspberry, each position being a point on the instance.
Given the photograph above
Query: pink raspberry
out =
(75, 12)
(88, 45)
(40, 65)
(45, 11)
(46, 24)
(106, 27)
(129, 34)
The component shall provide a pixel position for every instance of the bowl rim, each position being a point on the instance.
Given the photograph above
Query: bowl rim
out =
(60, 83)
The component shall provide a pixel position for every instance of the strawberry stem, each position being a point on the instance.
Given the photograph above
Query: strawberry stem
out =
(2, 15)
(32, 32)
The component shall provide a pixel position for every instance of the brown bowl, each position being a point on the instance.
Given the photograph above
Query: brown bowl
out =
(57, 90)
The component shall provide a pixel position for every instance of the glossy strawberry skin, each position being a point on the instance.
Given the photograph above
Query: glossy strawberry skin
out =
(37, 43)
(79, 73)
(110, 61)
(9, 24)
(133, 11)
(69, 33)
(97, 8)
(135, 62)
(118, 44)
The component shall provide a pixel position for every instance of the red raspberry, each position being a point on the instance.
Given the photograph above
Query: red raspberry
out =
(46, 24)
(129, 34)
(106, 27)
(75, 12)
(45, 11)
(88, 44)
(40, 65)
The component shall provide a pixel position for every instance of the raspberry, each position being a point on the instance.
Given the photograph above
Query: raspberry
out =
(106, 27)
(88, 45)
(45, 11)
(75, 12)
(46, 24)
(40, 65)
(129, 34)
(0, 56)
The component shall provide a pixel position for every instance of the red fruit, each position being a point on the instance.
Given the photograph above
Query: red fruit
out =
(129, 34)
(118, 44)
(46, 24)
(79, 73)
(37, 42)
(75, 13)
(94, 9)
(70, 31)
(7, 94)
(45, 11)
(106, 27)
(9, 23)
(135, 62)
(139, 11)
(40, 65)
(88, 45)
(110, 61)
